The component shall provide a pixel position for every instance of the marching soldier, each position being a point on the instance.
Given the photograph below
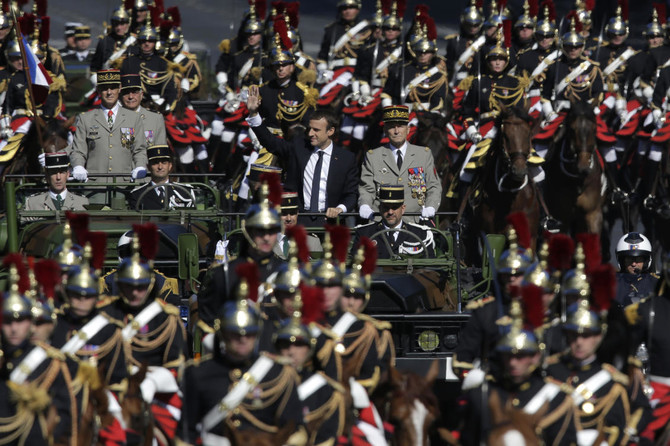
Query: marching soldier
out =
(649, 341)
(234, 389)
(36, 364)
(604, 403)
(140, 13)
(260, 227)
(131, 99)
(123, 149)
(153, 332)
(521, 386)
(157, 79)
(403, 164)
(462, 49)
(422, 83)
(393, 242)
(524, 29)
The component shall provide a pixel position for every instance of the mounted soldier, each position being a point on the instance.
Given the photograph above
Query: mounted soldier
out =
(524, 30)
(462, 48)
(114, 44)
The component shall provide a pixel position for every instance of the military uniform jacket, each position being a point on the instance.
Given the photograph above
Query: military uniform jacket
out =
(371, 56)
(157, 80)
(101, 150)
(349, 50)
(404, 244)
(587, 87)
(457, 44)
(31, 429)
(652, 330)
(631, 288)
(427, 95)
(106, 46)
(165, 288)
(44, 202)
(661, 88)
(609, 409)
(177, 197)
(241, 72)
(289, 104)
(557, 427)
(273, 403)
(617, 81)
(325, 408)
(354, 354)
(154, 127)
(418, 175)
(217, 286)
(530, 60)
(190, 68)
(106, 345)
(482, 99)
(17, 95)
(161, 342)
(53, 376)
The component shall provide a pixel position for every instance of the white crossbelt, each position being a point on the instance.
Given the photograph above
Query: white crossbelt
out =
(572, 76)
(249, 380)
(589, 387)
(85, 334)
(467, 54)
(143, 318)
(129, 41)
(245, 68)
(314, 383)
(551, 57)
(32, 360)
(346, 37)
(417, 80)
(547, 393)
(390, 59)
(341, 326)
(616, 63)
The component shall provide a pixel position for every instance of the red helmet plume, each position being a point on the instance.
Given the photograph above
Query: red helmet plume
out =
(573, 15)
(282, 31)
(79, 225)
(589, 4)
(173, 11)
(47, 272)
(603, 286)
(519, 222)
(561, 250)
(45, 29)
(591, 245)
(533, 8)
(312, 304)
(98, 241)
(624, 9)
(128, 4)
(16, 259)
(261, 8)
(292, 10)
(551, 7)
(339, 237)
(299, 234)
(41, 7)
(147, 234)
(370, 261)
(402, 7)
(532, 302)
(273, 182)
(507, 32)
(249, 271)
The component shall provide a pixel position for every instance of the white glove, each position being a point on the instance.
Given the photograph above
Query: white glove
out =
(648, 92)
(231, 102)
(185, 85)
(473, 379)
(42, 159)
(325, 76)
(366, 212)
(366, 97)
(79, 173)
(548, 111)
(222, 81)
(137, 173)
(658, 117)
(473, 134)
(5, 127)
(428, 212)
(94, 79)
(386, 102)
(359, 395)
(621, 108)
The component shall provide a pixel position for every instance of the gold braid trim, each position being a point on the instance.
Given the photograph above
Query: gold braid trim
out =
(511, 99)
(427, 92)
(335, 403)
(59, 83)
(15, 429)
(466, 83)
(224, 46)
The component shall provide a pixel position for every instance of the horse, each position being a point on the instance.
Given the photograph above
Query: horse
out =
(54, 138)
(407, 401)
(575, 195)
(505, 184)
(136, 411)
(256, 438)
(512, 427)
(96, 416)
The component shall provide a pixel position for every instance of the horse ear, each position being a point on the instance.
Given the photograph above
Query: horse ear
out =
(69, 122)
(395, 375)
(431, 376)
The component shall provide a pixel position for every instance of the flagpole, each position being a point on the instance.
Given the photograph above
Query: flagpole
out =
(26, 71)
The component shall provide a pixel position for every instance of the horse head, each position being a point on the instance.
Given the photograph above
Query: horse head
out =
(581, 130)
(512, 427)
(516, 140)
(137, 412)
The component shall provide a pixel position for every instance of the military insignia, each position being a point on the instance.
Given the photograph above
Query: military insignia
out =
(257, 402)
(149, 136)
(152, 74)
(384, 171)
(417, 184)
(127, 137)
(484, 90)
(374, 242)
(90, 348)
(505, 92)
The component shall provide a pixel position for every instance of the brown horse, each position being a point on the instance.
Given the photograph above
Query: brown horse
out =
(54, 138)
(505, 184)
(256, 438)
(95, 416)
(512, 427)
(137, 412)
(575, 194)
(407, 401)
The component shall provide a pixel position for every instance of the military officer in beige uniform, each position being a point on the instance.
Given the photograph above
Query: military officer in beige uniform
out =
(131, 98)
(400, 163)
(109, 139)
(56, 168)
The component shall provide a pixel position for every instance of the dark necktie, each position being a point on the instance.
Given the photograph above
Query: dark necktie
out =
(161, 195)
(285, 247)
(58, 202)
(399, 160)
(316, 183)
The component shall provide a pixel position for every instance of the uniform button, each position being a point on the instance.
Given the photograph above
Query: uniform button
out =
(10, 366)
(110, 157)
(111, 134)
(237, 373)
(399, 179)
(110, 169)
(236, 411)
(515, 402)
(110, 146)
(237, 423)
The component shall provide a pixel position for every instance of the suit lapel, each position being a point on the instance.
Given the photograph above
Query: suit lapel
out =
(410, 158)
(101, 118)
(49, 203)
(389, 159)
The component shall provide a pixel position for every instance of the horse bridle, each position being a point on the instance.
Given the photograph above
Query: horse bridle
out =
(508, 160)
(145, 410)
(571, 158)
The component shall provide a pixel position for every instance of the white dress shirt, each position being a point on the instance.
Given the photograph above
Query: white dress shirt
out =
(54, 196)
(402, 150)
(114, 109)
(323, 181)
(395, 233)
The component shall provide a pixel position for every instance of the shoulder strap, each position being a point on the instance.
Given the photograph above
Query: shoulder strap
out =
(572, 76)
(32, 360)
(547, 393)
(471, 51)
(143, 318)
(590, 386)
(87, 332)
(314, 383)
(346, 37)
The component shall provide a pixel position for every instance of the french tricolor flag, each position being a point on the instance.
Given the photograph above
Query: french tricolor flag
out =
(39, 75)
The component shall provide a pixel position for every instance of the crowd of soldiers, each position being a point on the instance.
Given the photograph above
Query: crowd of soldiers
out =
(563, 350)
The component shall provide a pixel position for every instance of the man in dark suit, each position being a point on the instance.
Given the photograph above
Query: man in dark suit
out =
(336, 168)
(393, 243)
(160, 166)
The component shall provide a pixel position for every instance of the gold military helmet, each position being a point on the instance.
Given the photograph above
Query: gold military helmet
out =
(120, 15)
(68, 254)
(281, 52)
(654, 28)
(253, 25)
(516, 259)
(241, 316)
(5, 21)
(618, 25)
(82, 280)
(147, 34)
(175, 37)
(425, 39)
(517, 340)
(472, 15)
(13, 49)
(547, 26)
(582, 319)
(576, 283)
(497, 15)
(265, 214)
(525, 20)
(500, 49)
(142, 5)
(292, 330)
(378, 19)
(538, 273)
(572, 37)
(346, 3)
(358, 279)
(16, 304)
(330, 271)
(394, 19)
(290, 275)
(137, 269)
(584, 12)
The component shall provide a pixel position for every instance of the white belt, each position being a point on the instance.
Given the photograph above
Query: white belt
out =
(547, 393)
(21, 373)
(314, 383)
(143, 318)
(85, 334)
(346, 62)
(534, 93)
(665, 380)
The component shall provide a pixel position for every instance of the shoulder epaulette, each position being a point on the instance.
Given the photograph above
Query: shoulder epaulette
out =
(106, 300)
(379, 325)
(450, 36)
(466, 83)
(617, 376)
(427, 149)
(224, 46)
(169, 308)
(479, 303)
(631, 312)
(654, 275)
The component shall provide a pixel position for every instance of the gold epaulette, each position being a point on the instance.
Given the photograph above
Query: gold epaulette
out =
(58, 83)
(307, 77)
(88, 373)
(103, 301)
(466, 83)
(29, 397)
(450, 36)
(617, 376)
(379, 325)
(169, 308)
(224, 46)
(631, 312)
(256, 72)
(52, 352)
(117, 63)
(311, 94)
(473, 305)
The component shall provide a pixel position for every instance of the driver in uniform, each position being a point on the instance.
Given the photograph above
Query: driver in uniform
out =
(394, 242)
